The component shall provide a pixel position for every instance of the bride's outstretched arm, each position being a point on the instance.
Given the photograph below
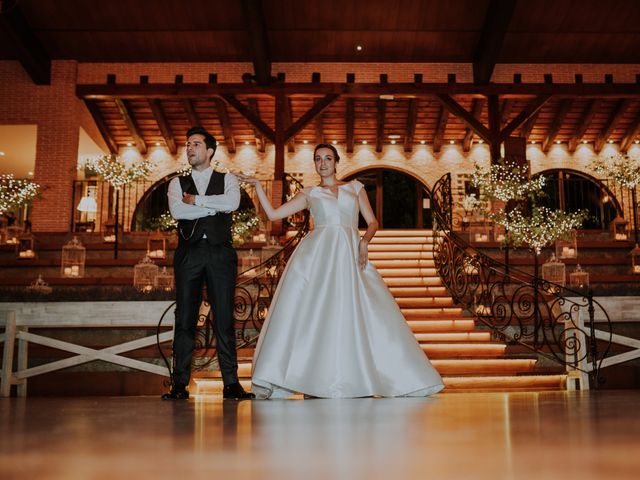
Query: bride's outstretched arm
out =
(297, 203)
(372, 228)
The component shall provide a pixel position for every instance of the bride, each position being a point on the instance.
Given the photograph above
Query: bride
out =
(333, 329)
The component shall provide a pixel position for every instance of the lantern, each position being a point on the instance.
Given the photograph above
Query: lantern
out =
(165, 280)
(109, 233)
(25, 248)
(144, 275)
(567, 248)
(579, 278)
(479, 233)
(554, 271)
(73, 259)
(635, 260)
(157, 245)
(12, 235)
(619, 229)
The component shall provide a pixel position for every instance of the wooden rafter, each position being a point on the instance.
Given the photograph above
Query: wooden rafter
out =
(225, 123)
(260, 141)
(102, 127)
(454, 107)
(584, 123)
(494, 30)
(319, 126)
(380, 115)
(315, 111)
(133, 129)
(616, 115)
(478, 105)
(192, 117)
(251, 117)
(631, 134)
(258, 40)
(410, 129)
(29, 51)
(440, 129)
(291, 147)
(350, 123)
(165, 128)
(561, 115)
(529, 111)
(505, 111)
(528, 125)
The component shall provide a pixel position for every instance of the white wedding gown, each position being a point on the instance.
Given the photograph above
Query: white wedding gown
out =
(334, 330)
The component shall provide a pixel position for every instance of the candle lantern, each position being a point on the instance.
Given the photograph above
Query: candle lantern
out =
(144, 275)
(157, 245)
(25, 246)
(635, 260)
(554, 271)
(619, 229)
(109, 232)
(12, 235)
(579, 278)
(73, 259)
(567, 248)
(165, 280)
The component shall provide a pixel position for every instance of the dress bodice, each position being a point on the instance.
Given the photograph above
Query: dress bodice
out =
(327, 209)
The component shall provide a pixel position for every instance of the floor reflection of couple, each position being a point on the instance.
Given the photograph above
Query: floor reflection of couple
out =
(333, 329)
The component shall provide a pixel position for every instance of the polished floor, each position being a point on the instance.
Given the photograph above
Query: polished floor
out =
(546, 435)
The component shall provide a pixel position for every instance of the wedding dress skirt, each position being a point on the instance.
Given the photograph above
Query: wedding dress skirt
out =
(334, 330)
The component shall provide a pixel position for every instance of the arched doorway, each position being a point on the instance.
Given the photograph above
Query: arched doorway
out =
(398, 199)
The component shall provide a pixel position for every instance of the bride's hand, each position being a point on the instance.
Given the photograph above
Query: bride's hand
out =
(363, 253)
(247, 179)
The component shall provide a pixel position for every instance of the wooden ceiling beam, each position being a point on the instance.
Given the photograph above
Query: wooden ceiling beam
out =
(454, 107)
(225, 123)
(315, 111)
(399, 90)
(380, 116)
(410, 128)
(29, 51)
(287, 123)
(505, 111)
(632, 133)
(133, 129)
(253, 119)
(618, 112)
(584, 123)
(192, 117)
(478, 105)
(561, 114)
(319, 125)
(102, 127)
(260, 141)
(528, 125)
(438, 138)
(165, 128)
(494, 30)
(258, 40)
(529, 111)
(350, 123)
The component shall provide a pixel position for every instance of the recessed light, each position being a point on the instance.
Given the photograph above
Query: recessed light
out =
(637, 141)
(394, 137)
(246, 142)
(480, 141)
(364, 142)
(393, 142)
(1, 154)
(30, 174)
(584, 141)
(452, 142)
(558, 142)
(335, 142)
(129, 144)
(359, 48)
(305, 141)
(422, 142)
(157, 144)
(610, 141)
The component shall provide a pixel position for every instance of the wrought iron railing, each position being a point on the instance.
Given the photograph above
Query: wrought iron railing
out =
(554, 321)
(254, 291)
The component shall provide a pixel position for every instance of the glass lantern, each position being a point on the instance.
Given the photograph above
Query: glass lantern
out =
(144, 275)
(567, 248)
(479, 233)
(579, 278)
(165, 280)
(73, 259)
(635, 260)
(619, 229)
(12, 235)
(25, 248)
(157, 245)
(109, 233)
(554, 271)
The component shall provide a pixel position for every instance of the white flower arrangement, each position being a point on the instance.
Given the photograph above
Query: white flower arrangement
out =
(16, 192)
(622, 169)
(117, 171)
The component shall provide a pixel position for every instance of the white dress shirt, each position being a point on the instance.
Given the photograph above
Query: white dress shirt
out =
(205, 204)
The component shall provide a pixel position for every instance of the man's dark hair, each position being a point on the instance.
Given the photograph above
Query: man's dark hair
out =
(209, 140)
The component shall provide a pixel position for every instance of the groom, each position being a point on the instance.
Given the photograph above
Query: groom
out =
(202, 203)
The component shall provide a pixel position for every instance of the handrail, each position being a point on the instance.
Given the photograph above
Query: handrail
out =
(518, 307)
(254, 292)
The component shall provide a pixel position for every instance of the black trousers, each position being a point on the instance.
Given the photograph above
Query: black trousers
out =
(194, 265)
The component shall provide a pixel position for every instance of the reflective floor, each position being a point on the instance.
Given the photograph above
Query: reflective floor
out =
(554, 435)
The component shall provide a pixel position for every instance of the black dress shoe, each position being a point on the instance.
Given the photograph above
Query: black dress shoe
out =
(177, 393)
(235, 390)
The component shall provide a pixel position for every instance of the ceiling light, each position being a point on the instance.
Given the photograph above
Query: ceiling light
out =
(386, 96)
(359, 48)
(394, 137)
(480, 141)
(2, 153)
(610, 141)
(393, 142)
(584, 141)
(335, 142)
(157, 144)
(30, 174)
(533, 142)
(246, 142)
(637, 141)
(129, 144)
(452, 142)
(364, 142)
(422, 142)
(558, 142)
(305, 141)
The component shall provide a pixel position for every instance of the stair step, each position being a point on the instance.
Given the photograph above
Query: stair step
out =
(400, 255)
(422, 302)
(442, 325)
(503, 383)
(416, 240)
(401, 233)
(400, 247)
(453, 350)
(438, 292)
(474, 366)
(408, 272)
(453, 337)
(435, 312)
(404, 263)
(413, 281)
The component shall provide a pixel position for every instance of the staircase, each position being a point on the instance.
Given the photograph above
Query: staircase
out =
(460, 350)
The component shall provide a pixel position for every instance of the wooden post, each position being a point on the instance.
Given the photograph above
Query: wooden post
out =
(23, 361)
(7, 357)
(494, 127)
(278, 167)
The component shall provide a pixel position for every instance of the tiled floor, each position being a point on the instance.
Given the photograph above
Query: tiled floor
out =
(563, 435)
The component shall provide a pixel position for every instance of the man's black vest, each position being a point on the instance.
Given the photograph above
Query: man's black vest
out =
(217, 227)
